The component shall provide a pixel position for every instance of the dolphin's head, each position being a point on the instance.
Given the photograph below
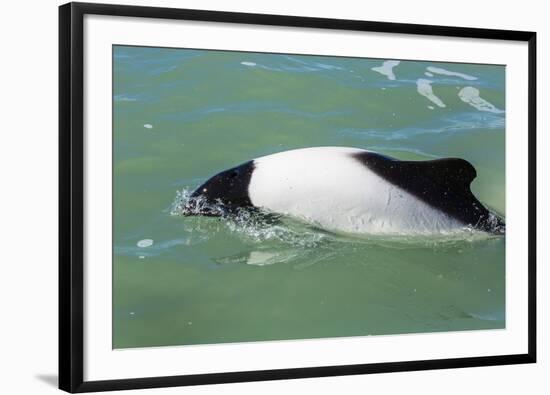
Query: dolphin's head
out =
(222, 193)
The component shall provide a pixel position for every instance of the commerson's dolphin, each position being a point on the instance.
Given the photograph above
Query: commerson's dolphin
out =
(351, 190)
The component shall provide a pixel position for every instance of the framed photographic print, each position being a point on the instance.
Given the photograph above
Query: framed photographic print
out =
(258, 197)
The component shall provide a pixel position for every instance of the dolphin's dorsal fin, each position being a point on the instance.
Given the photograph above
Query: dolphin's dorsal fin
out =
(454, 173)
(442, 183)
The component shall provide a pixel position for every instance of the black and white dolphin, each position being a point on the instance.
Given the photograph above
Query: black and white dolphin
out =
(351, 190)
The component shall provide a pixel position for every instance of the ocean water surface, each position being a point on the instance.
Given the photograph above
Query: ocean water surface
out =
(181, 116)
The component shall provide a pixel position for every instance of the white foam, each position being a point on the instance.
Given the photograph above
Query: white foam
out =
(431, 107)
(428, 74)
(148, 126)
(145, 243)
(424, 88)
(387, 68)
(249, 64)
(471, 96)
(438, 70)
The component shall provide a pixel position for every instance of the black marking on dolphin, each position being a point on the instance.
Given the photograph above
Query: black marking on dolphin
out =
(225, 192)
(441, 183)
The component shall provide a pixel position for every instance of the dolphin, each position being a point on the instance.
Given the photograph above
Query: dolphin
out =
(351, 190)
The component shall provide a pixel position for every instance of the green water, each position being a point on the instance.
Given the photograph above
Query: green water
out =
(181, 116)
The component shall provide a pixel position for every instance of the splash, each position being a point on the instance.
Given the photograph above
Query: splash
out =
(254, 226)
(187, 205)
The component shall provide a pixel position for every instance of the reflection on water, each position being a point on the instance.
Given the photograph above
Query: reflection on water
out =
(182, 115)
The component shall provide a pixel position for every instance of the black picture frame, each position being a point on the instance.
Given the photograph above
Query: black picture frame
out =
(71, 195)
